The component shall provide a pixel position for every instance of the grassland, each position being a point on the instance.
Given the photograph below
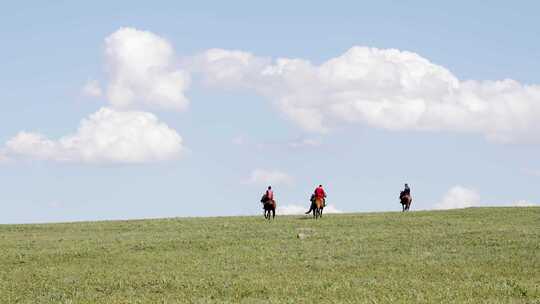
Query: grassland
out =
(479, 255)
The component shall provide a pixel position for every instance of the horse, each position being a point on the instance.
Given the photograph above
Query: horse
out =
(269, 209)
(318, 205)
(405, 200)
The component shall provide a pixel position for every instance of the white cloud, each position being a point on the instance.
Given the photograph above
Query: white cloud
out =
(297, 209)
(532, 172)
(305, 143)
(462, 197)
(523, 203)
(239, 140)
(291, 209)
(331, 209)
(55, 205)
(107, 136)
(229, 68)
(383, 88)
(3, 157)
(142, 70)
(459, 197)
(92, 89)
(269, 177)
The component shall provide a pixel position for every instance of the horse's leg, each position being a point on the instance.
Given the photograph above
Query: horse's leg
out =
(274, 213)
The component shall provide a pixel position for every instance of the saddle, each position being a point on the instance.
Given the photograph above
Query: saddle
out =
(269, 203)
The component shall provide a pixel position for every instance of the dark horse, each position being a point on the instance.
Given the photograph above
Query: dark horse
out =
(269, 209)
(405, 200)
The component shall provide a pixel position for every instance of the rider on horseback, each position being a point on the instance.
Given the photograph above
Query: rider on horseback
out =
(405, 198)
(406, 191)
(268, 195)
(318, 193)
(268, 203)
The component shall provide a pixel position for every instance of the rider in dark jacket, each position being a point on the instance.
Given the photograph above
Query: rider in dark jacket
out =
(407, 190)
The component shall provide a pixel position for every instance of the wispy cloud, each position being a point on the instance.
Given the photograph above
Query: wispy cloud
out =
(269, 177)
(305, 143)
(239, 140)
(3, 157)
(531, 172)
(92, 89)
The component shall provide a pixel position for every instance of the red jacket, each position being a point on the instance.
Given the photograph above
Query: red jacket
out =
(319, 192)
(270, 195)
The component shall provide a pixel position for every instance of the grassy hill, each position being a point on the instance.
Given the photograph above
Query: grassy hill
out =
(478, 255)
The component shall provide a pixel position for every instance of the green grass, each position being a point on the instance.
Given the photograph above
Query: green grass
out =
(478, 255)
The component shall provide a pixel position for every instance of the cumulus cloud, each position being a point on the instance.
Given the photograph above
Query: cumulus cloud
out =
(92, 89)
(462, 197)
(459, 197)
(269, 177)
(297, 209)
(383, 88)
(107, 136)
(143, 71)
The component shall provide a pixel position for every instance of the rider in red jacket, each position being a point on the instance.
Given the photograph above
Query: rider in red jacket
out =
(269, 194)
(319, 193)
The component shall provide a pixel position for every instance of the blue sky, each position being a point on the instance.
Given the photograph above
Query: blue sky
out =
(238, 136)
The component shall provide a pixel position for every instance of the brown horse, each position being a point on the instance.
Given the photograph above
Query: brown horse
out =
(318, 206)
(269, 209)
(405, 201)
